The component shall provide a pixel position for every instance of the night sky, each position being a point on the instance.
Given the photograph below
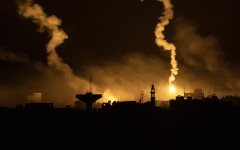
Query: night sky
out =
(113, 41)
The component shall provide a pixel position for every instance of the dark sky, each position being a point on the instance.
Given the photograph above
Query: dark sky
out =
(106, 36)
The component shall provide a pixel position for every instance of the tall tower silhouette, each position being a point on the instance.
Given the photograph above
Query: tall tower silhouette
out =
(153, 96)
(88, 98)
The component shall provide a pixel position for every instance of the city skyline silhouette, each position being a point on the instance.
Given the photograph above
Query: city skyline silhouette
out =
(113, 74)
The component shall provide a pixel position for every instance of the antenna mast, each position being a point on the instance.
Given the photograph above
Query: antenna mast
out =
(90, 83)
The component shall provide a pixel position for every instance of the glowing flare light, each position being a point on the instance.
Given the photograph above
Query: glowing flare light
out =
(172, 88)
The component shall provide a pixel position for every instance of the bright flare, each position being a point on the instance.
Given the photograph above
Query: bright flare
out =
(172, 88)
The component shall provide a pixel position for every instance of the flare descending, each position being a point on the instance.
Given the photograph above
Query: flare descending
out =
(33, 11)
(161, 42)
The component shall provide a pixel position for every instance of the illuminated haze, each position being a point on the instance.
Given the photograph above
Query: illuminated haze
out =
(125, 80)
(126, 68)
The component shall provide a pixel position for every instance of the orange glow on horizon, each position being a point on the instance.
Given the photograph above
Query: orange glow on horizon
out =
(108, 96)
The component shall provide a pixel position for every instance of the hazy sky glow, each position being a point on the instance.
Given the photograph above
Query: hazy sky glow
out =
(114, 41)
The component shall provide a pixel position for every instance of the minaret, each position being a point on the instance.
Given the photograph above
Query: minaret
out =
(153, 96)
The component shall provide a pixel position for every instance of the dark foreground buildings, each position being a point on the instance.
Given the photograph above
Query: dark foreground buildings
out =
(187, 124)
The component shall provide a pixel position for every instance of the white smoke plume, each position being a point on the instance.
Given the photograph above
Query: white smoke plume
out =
(33, 11)
(160, 38)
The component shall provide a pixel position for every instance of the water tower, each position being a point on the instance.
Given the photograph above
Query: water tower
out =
(88, 98)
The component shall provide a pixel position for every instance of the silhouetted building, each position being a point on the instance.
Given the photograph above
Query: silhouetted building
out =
(106, 106)
(39, 106)
(196, 94)
(89, 99)
(198, 105)
(162, 104)
(132, 106)
(124, 106)
(179, 98)
(233, 99)
(19, 106)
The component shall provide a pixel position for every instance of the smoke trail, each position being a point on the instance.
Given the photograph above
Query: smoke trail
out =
(33, 11)
(160, 41)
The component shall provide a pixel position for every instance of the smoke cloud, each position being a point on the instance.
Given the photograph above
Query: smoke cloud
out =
(33, 11)
(10, 56)
(196, 50)
(125, 79)
(203, 63)
(160, 38)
